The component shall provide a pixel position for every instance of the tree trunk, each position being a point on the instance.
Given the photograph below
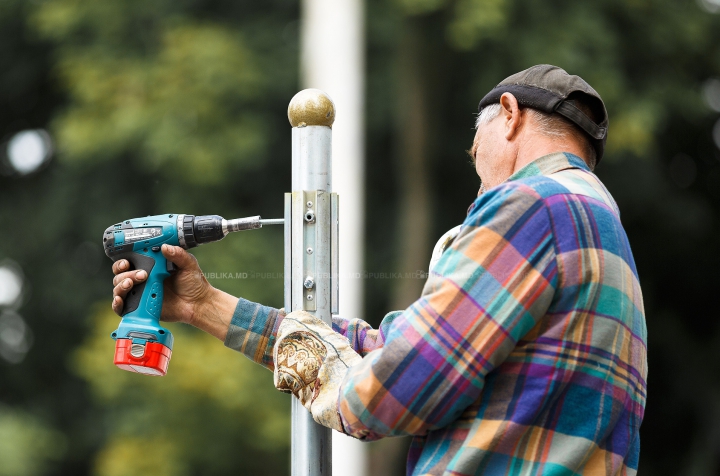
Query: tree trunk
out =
(413, 150)
(413, 133)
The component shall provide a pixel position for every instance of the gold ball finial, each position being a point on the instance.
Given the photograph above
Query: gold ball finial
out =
(311, 107)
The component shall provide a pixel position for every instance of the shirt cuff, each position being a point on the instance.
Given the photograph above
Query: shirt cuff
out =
(253, 331)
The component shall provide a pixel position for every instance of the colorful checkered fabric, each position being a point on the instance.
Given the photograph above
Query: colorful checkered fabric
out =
(525, 354)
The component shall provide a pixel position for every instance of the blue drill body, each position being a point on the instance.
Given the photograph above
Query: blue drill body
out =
(139, 241)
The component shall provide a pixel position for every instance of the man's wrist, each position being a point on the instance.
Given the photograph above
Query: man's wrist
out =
(214, 313)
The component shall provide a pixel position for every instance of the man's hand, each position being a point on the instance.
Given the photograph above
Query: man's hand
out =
(311, 360)
(188, 297)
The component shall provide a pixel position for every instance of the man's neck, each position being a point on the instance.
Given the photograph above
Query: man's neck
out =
(538, 146)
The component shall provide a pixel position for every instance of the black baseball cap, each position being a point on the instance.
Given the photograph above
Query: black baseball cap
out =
(548, 89)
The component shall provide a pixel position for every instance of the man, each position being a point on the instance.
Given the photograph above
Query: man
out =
(525, 354)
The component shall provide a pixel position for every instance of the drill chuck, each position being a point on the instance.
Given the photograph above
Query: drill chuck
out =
(198, 230)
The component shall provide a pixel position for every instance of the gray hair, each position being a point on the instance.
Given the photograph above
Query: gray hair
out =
(550, 125)
(487, 114)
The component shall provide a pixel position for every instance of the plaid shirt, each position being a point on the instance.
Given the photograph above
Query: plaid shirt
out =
(525, 354)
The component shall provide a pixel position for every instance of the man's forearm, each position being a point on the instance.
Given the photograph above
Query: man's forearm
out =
(216, 313)
(242, 325)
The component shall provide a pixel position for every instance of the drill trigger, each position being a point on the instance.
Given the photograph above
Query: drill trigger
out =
(170, 266)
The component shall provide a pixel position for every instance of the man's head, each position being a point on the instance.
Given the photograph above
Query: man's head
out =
(536, 112)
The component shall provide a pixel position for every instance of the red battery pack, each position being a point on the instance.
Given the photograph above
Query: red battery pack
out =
(149, 359)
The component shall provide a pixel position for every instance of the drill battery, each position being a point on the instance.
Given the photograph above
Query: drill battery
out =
(149, 359)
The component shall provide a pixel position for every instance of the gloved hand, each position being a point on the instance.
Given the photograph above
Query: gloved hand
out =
(311, 361)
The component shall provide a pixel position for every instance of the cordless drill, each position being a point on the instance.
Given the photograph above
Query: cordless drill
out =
(142, 345)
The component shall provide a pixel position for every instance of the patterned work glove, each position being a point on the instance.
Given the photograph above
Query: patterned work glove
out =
(311, 361)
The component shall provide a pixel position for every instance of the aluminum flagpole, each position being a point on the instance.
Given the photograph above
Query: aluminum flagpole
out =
(311, 238)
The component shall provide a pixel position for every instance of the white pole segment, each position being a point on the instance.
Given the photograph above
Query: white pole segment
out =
(332, 59)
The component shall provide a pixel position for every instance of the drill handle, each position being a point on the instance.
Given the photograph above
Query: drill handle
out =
(157, 270)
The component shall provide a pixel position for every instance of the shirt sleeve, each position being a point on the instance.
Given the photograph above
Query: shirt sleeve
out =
(362, 336)
(488, 290)
(254, 327)
(253, 330)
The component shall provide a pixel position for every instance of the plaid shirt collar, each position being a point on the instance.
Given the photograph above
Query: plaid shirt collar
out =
(545, 165)
(549, 164)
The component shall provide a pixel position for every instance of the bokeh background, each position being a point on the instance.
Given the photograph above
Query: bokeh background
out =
(124, 108)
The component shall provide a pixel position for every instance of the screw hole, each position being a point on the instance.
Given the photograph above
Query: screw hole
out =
(153, 295)
(161, 331)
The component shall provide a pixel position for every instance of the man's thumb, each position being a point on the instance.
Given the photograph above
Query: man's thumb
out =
(177, 255)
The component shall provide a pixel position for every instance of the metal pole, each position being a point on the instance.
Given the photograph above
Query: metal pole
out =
(309, 232)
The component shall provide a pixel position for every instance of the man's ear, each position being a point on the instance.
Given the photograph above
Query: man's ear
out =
(510, 110)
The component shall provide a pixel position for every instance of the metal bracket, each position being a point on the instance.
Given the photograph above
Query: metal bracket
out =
(306, 211)
(334, 254)
(313, 243)
(287, 269)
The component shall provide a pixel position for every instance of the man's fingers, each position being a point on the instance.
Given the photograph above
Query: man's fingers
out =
(123, 283)
(120, 265)
(136, 276)
(122, 288)
(117, 304)
(179, 256)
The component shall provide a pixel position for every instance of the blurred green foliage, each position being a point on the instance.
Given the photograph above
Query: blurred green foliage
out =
(210, 413)
(27, 445)
(179, 106)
